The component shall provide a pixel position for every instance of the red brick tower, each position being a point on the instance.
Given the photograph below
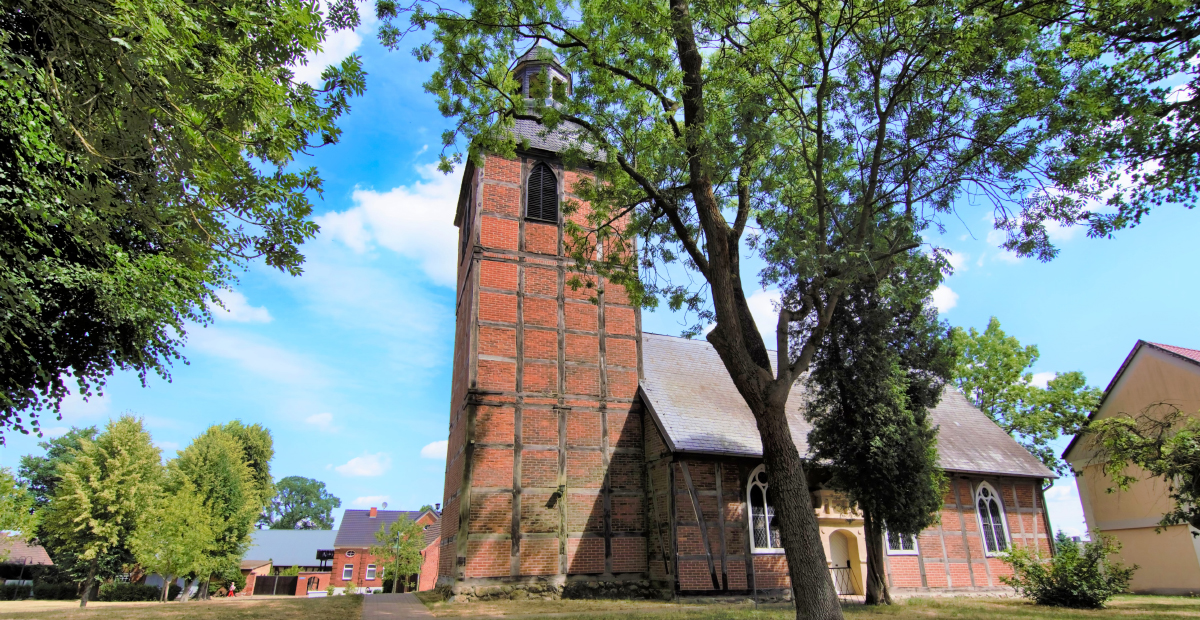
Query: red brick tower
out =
(544, 471)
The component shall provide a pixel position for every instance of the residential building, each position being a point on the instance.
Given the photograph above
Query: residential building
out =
(584, 454)
(1153, 379)
(273, 552)
(354, 567)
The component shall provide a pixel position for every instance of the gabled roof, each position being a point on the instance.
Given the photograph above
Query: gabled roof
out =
(288, 547)
(1187, 355)
(433, 531)
(358, 527)
(689, 393)
(20, 551)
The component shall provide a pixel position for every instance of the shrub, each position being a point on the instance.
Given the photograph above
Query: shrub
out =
(55, 591)
(129, 592)
(1080, 575)
(14, 592)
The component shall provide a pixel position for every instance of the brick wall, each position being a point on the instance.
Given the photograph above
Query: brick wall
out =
(545, 470)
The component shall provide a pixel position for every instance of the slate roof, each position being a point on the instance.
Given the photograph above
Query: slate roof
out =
(690, 395)
(358, 528)
(19, 550)
(288, 547)
(433, 531)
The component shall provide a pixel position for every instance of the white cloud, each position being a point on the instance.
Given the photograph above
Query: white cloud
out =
(74, 408)
(239, 310)
(764, 306)
(944, 298)
(55, 431)
(259, 357)
(415, 221)
(368, 501)
(996, 238)
(366, 465)
(323, 421)
(1042, 379)
(958, 260)
(435, 450)
(336, 46)
(1066, 511)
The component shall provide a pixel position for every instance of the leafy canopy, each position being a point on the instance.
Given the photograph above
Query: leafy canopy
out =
(1164, 443)
(147, 153)
(398, 548)
(300, 504)
(993, 373)
(17, 517)
(40, 473)
(174, 536)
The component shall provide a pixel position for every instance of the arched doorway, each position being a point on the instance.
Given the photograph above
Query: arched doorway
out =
(844, 562)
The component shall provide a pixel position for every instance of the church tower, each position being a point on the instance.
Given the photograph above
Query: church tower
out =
(545, 469)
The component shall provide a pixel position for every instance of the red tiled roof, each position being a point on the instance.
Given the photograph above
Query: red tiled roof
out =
(19, 550)
(1191, 354)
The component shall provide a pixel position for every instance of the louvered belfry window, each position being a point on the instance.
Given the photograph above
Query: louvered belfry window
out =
(541, 195)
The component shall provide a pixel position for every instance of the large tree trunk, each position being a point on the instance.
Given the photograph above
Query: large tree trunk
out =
(202, 593)
(395, 582)
(187, 586)
(87, 585)
(812, 586)
(166, 587)
(877, 588)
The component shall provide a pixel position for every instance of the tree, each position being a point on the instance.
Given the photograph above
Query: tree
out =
(257, 451)
(17, 516)
(215, 464)
(841, 129)
(40, 473)
(300, 504)
(881, 368)
(103, 493)
(993, 373)
(1161, 440)
(174, 536)
(146, 154)
(1081, 575)
(398, 549)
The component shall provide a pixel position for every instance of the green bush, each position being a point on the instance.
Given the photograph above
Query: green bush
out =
(1080, 575)
(14, 592)
(55, 591)
(129, 592)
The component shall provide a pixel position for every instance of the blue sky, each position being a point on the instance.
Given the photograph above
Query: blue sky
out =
(349, 365)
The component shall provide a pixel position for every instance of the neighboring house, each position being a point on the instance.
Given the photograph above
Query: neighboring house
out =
(274, 551)
(354, 568)
(1169, 560)
(427, 579)
(23, 560)
(584, 454)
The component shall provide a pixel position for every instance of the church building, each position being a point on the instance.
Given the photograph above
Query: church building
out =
(587, 458)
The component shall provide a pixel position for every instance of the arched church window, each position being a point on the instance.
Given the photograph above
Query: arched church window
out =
(764, 533)
(991, 519)
(541, 195)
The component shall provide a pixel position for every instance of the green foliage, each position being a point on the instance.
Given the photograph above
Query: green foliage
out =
(102, 495)
(129, 592)
(1080, 575)
(993, 373)
(398, 547)
(1162, 441)
(290, 571)
(229, 488)
(53, 591)
(16, 592)
(175, 536)
(17, 518)
(881, 368)
(147, 153)
(300, 503)
(40, 472)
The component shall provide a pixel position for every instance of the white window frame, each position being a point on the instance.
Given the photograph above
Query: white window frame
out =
(348, 572)
(992, 496)
(887, 541)
(370, 572)
(753, 483)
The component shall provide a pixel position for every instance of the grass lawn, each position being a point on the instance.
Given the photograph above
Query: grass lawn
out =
(262, 608)
(1122, 608)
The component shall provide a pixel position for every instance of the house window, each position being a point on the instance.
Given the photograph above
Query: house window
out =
(348, 572)
(370, 572)
(991, 519)
(901, 544)
(541, 195)
(763, 531)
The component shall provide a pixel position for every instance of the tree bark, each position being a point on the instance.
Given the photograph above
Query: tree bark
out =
(202, 592)
(166, 587)
(87, 585)
(395, 581)
(812, 585)
(187, 586)
(877, 587)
